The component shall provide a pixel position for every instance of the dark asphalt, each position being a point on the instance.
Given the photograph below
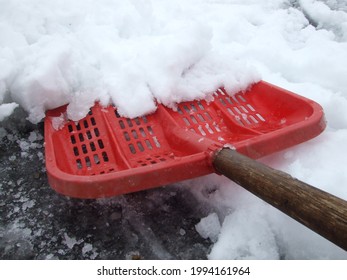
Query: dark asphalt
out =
(37, 223)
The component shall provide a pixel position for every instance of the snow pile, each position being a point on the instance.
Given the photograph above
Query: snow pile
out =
(303, 50)
(324, 17)
(240, 239)
(131, 53)
(137, 53)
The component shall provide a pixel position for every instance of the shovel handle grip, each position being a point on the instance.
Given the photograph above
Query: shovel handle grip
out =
(318, 210)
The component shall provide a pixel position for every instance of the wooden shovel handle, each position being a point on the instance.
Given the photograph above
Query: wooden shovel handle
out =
(318, 210)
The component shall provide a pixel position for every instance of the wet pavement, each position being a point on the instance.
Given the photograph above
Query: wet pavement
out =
(38, 223)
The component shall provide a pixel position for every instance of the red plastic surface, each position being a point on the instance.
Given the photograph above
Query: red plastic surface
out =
(105, 155)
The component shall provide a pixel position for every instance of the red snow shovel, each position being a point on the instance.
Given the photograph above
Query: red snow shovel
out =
(105, 154)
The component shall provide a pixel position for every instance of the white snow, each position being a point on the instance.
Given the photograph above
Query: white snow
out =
(58, 122)
(209, 227)
(6, 110)
(136, 54)
(324, 17)
(241, 239)
(132, 53)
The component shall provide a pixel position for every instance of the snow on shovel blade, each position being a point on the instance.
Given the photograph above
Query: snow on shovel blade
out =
(105, 154)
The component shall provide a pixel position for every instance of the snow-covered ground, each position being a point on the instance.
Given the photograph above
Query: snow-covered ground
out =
(136, 53)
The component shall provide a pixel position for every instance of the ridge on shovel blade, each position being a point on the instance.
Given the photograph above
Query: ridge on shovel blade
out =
(105, 154)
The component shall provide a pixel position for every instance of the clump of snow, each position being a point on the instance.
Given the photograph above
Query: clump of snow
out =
(209, 227)
(182, 232)
(58, 122)
(245, 235)
(7, 109)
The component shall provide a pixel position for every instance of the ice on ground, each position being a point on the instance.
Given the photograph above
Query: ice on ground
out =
(70, 242)
(30, 143)
(87, 248)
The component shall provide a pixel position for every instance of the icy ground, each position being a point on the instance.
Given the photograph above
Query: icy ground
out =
(136, 53)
